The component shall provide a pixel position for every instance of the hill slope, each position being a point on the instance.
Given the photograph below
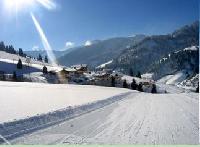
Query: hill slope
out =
(43, 53)
(99, 52)
(154, 48)
(186, 59)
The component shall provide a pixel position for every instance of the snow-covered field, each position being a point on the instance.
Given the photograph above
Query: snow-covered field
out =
(8, 64)
(22, 100)
(140, 118)
(97, 115)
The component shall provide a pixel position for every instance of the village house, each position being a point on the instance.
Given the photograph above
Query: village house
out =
(80, 69)
(73, 74)
(101, 78)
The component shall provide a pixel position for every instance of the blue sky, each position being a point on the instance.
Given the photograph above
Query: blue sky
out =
(76, 21)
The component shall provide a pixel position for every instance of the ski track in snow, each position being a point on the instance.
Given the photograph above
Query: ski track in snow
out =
(139, 118)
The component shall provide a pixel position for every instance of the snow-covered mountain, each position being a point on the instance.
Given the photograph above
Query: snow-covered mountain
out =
(99, 52)
(150, 50)
(43, 53)
(186, 59)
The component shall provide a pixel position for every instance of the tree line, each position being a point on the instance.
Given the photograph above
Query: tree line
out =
(10, 49)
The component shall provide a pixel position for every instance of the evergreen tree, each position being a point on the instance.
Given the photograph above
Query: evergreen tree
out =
(134, 85)
(21, 53)
(46, 59)
(45, 71)
(2, 46)
(131, 72)
(125, 85)
(139, 75)
(14, 76)
(39, 58)
(3, 77)
(10, 49)
(6, 48)
(19, 64)
(113, 81)
(140, 87)
(197, 89)
(154, 89)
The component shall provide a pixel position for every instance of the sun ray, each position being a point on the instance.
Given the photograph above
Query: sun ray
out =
(27, 4)
(47, 46)
(44, 40)
(49, 4)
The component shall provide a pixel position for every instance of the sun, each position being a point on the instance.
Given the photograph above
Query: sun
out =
(18, 4)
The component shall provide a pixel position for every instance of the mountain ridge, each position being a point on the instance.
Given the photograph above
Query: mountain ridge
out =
(99, 52)
(153, 48)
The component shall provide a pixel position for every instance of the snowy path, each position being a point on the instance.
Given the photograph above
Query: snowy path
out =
(138, 119)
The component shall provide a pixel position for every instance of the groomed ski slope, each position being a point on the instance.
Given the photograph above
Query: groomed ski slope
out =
(139, 118)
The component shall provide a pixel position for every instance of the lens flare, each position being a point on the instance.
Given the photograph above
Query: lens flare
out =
(44, 40)
(19, 5)
(48, 4)
(47, 46)
(5, 140)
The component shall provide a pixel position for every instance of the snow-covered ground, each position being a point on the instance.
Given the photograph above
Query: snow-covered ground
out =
(22, 100)
(97, 115)
(178, 82)
(140, 118)
(173, 79)
(35, 113)
(8, 64)
(105, 64)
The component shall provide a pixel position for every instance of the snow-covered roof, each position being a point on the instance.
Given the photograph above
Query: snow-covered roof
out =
(147, 76)
(79, 66)
(70, 69)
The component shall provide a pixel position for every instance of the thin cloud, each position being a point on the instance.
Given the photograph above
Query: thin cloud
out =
(35, 48)
(88, 43)
(69, 44)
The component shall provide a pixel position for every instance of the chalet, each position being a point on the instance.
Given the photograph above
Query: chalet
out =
(81, 68)
(68, 72)
(102, 78)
